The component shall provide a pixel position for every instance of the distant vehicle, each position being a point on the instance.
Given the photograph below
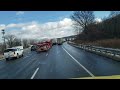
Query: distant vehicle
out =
(54, 41)
(33, 48)
(44, 46)
(14, 52)
(59, 41)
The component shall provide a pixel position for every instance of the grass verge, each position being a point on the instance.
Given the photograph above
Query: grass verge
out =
(107, 43)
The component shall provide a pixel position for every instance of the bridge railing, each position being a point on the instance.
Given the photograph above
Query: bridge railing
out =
(109, 52)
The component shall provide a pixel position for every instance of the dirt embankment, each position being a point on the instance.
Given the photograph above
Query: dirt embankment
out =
(107, 43)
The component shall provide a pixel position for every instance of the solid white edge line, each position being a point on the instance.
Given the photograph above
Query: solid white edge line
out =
(34, 73)
(47, 54)
(79, 63)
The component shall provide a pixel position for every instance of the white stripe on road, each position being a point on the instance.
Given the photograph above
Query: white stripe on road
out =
(79, 63)
(25, 57)
(47, 54)
(34, 73)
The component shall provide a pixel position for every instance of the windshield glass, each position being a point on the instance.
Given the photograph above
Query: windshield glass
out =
(59, 44)
(8, 50)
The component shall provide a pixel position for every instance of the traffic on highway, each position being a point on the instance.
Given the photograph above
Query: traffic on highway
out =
(57, 46)
(60, 62)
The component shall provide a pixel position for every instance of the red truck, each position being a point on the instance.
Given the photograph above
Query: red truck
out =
(44, 46)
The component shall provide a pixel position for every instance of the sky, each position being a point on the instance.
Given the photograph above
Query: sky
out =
(40, 24)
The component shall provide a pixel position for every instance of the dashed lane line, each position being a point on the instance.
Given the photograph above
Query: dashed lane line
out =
(34, 73)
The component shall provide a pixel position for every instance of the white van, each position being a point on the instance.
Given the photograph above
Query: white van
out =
(14, 52)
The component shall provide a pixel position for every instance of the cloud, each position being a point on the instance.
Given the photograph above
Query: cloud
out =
(2, 26)
(36, 30)
(19, 13)
(98, 19)
(13, 25)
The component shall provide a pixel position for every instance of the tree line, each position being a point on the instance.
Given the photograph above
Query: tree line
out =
(12, 41)
(109, 28)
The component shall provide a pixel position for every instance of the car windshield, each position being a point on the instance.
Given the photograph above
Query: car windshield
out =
(59, 44)
(10, 50)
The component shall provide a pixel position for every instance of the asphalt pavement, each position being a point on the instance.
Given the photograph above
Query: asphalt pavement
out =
(60, 62)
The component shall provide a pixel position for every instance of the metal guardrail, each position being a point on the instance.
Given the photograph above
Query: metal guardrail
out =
(109, 52)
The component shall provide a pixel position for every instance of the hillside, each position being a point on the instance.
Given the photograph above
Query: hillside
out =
(105, 33)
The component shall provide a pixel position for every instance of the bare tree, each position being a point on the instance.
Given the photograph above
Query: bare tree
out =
(32, 41)
(17, 42)
(82, 19)
(10, 40)
(1, 48)
(114, 13)
(25, 43)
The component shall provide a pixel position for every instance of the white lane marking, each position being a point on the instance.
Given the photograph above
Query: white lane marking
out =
(41, 63)
(25, 57)
(47, 54)
(79, 64)
(34, 73)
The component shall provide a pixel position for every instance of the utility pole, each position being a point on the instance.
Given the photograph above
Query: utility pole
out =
(3, 32)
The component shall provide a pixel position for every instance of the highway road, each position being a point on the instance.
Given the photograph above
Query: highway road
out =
(60, 62)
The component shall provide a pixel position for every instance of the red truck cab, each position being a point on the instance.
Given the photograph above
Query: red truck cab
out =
(44, 46)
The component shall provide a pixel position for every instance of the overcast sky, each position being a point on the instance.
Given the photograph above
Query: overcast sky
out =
(40, 24)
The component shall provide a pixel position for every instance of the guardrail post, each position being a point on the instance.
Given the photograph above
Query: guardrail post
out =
(95, 49)
(113, 54)
(105, 51)
(101, 50)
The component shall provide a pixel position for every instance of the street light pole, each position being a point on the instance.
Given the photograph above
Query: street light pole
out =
(3, 32)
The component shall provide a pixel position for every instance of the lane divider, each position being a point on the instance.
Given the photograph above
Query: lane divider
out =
(34, 73)
(47, 54)
(79, 63)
